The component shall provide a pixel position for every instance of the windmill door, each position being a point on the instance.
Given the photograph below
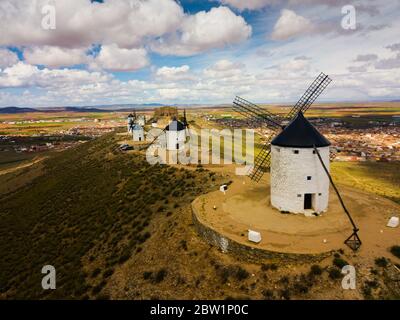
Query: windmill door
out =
(307, 201)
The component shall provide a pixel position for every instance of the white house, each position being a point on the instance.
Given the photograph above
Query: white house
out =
(138, 133)
(175, 135)
(299, 183)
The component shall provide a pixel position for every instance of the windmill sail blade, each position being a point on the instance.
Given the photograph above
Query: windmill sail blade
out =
(312, 93)
(154, 140)
(252, 111)
(262, 162)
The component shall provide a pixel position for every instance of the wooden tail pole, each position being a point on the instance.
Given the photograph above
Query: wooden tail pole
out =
(353, 241)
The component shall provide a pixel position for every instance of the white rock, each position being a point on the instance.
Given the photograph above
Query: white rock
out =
(254, 236)
(393, 222)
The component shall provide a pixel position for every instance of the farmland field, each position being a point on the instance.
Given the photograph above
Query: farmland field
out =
(378, 178)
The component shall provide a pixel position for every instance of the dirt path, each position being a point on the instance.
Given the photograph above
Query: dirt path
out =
(22, 166)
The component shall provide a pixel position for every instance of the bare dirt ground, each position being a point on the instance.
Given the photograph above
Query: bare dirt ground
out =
(22, 166)
(246, 205)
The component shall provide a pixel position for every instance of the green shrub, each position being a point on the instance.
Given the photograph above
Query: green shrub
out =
(268, 294)
(315, 269)
(96, 272)
(147, 275)
(395, 250)
(381, 262)
(160, 275)
(334, 273)
(300, 288)
(108, 273)
(242, 274)
(285, 294)
(269, 266)
(183, 245)
(340, 263)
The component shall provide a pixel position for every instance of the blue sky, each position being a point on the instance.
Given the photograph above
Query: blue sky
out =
(196, 52)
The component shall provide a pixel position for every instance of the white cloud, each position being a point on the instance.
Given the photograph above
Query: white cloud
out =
(203, 31)
(248, 4)
(394, 47)
(7, 58)
(81, 23)
(174, 73)
(390, 63)
(25, 75)
(55, 56)
(289, 25)
(113, 58)
(366, 57)
(224, 69)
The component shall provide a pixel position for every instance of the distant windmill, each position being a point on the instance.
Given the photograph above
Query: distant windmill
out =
(131, 121)
(175, 134)
(137, 132)
(295, 152)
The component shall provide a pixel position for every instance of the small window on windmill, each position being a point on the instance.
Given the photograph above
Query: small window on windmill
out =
(313, 152)
(308, 177)
(299, 196)
(296, 151)
(320, 194)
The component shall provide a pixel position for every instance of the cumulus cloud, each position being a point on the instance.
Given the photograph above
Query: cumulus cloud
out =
(174, 73)
(224, 69)
(357, 68)
(248, 4)
(290, 25)
(25, 75)
(366, 57)
(7, 58)
(203, 31)
(390, 63)
(113, 58)
(394, 47)
(81, 23)
(55, 56)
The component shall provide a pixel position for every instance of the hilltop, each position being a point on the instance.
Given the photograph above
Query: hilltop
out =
(115, 227)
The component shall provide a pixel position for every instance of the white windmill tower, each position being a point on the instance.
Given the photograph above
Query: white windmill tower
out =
(298, 158)
(137, 133)
(175, 135)
(299, 183)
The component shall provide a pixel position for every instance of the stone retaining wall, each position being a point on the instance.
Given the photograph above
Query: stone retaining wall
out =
(248, 252)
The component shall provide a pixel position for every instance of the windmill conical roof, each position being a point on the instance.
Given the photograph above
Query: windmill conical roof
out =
(300, 133)
(137, 127)
(175, 125)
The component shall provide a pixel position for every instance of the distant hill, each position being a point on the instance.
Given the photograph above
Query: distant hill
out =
(97, 108)
(105, 108)
(17, 110)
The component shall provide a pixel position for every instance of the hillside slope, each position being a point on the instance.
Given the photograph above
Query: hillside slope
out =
(87, 212)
